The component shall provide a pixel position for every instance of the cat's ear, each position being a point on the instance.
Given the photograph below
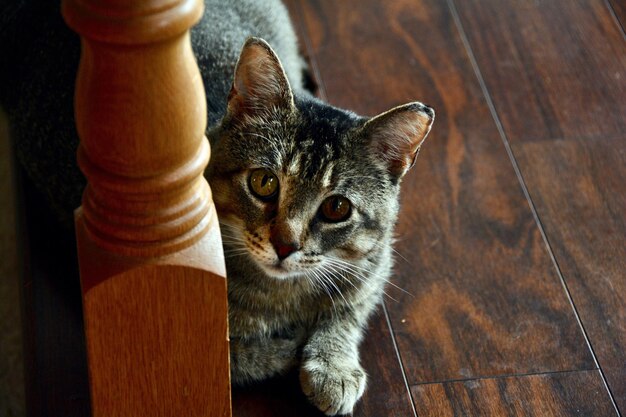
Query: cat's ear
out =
(397, 135)
(260, 81)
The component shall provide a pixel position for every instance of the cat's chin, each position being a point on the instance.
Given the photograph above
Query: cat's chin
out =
(279, 272)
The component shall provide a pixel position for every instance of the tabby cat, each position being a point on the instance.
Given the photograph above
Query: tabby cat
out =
(307, 194)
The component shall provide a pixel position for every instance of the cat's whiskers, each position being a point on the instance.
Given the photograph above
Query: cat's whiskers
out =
(234, 240)
(233, 255)
(340, 272)
(228, 238)
(351, 265)
(322, 284)
(329, 278)
(310, 280)
(224, 224)
(382, 246)
(235, 249)
(361, 276)
(233, 237)
(333, 269)
(238, 248)
(234, 244)
(230, 245)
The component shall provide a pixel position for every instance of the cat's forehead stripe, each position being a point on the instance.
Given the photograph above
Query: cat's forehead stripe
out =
(295, 165)
(328, 174)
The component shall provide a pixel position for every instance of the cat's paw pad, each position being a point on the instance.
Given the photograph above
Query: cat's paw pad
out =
(334, 389)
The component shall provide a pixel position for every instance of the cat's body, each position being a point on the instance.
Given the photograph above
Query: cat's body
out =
(307, 195)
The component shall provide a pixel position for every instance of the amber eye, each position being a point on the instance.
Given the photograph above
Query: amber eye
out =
(263, 184)
(335, 209)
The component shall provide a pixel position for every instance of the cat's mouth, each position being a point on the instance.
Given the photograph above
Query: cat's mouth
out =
(280, 270)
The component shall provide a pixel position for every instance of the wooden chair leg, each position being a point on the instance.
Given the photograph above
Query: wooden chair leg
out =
(150, 255)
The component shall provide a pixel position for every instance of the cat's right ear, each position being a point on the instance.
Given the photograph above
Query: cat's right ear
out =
(260, 82)
(397, 135)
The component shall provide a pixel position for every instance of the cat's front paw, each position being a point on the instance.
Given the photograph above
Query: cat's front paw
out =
(333, 388)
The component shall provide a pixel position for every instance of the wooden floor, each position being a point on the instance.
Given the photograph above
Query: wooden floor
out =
(512, 233)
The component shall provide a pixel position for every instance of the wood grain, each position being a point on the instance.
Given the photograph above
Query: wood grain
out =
(555, 395)
(386, 394)
(150, 255)
(146, 360)
(553, 69)
(487, 300)
(579, 190)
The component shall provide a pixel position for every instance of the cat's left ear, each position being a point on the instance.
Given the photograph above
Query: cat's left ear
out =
(397, 135)
(260, 81)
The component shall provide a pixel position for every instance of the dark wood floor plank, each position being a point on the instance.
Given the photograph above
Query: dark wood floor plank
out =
(487, 300)
(567, 61)
(579, 190)
(619, 8)
(386, 394)
(555, 395)
(555, 69)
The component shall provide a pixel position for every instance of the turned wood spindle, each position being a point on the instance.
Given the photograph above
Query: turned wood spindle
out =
(150, 255)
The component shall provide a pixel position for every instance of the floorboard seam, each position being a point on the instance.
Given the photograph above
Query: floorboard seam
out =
(483, 377)
(618, 22)
(504, 138)
(399, 357)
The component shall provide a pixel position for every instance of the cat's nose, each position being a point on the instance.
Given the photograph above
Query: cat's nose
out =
(284, 249)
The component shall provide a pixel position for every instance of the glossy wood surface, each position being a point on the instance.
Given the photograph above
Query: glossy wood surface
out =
(560, 73)
(558, 85)
(565, 394)
(578, 189)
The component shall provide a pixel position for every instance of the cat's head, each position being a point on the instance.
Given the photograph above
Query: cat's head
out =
(301, 186)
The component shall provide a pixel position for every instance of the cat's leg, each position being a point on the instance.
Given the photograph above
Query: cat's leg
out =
(256, 359)
(331, 376)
